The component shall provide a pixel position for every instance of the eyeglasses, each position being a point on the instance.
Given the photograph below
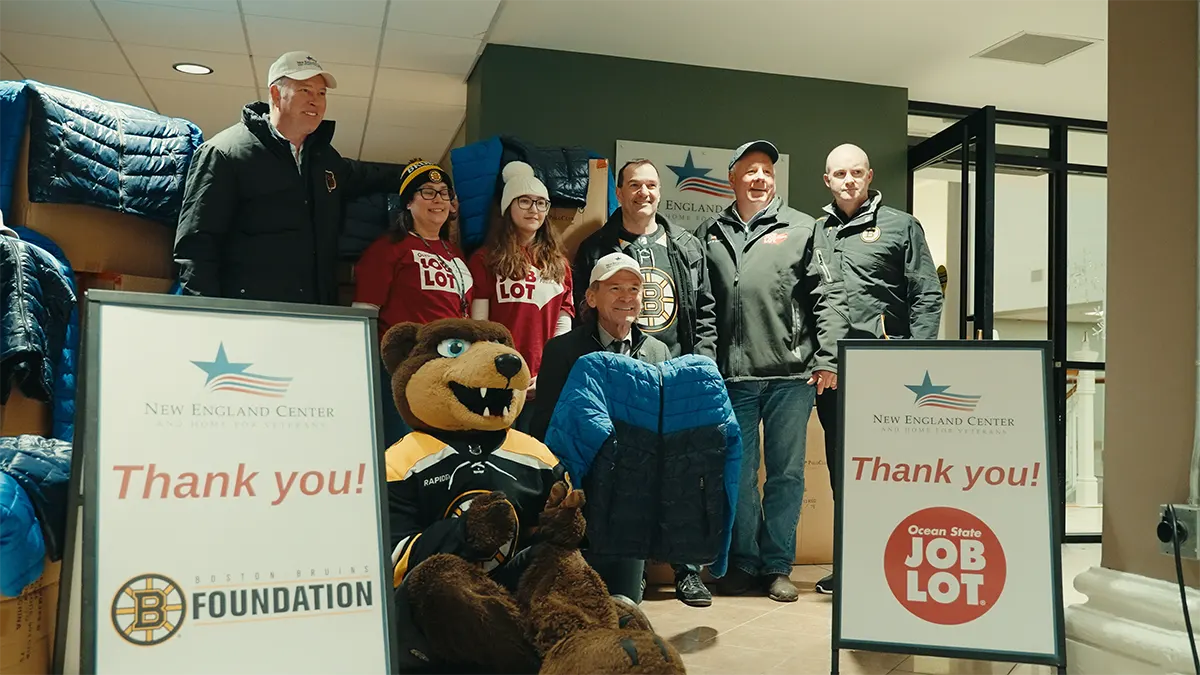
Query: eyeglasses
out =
(528, 203)
(429, 193)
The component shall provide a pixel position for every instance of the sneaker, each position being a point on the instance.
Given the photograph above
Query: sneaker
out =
(825, 586)
(781, 589)
(691, 591)
(736, 582)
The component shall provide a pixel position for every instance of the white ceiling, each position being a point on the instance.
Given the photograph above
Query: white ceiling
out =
(402, 64)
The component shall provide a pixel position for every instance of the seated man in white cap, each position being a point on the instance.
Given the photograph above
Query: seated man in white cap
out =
(262, 208)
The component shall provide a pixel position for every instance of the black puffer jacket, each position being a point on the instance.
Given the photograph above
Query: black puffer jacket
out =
(253, 227)
(563, 170)
(36, 312)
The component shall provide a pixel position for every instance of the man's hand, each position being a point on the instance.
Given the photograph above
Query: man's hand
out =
(824, 380)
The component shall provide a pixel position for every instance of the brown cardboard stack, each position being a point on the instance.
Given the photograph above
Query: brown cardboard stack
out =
(575, 225)
(814, 532)
(27, 626)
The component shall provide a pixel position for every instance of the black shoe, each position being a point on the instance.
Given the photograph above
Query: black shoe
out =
(781, 589)
(690, 590)
(825, 586)
(737, 582)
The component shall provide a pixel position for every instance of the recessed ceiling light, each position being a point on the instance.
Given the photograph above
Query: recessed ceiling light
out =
(192, 68)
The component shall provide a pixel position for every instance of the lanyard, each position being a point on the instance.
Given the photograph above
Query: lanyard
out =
(449, 265)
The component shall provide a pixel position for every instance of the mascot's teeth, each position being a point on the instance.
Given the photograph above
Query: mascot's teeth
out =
(505, 411)
(486, 412)
(483, 392)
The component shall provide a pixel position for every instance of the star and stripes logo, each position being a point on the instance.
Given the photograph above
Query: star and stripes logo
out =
(691, 178)
(225, 375)
(930, 395)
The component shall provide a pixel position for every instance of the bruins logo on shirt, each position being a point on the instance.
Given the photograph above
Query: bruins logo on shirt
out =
(658, 300)
(460, 506)
(871, 234)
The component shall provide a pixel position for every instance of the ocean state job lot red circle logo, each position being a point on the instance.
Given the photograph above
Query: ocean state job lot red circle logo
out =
(945, 565)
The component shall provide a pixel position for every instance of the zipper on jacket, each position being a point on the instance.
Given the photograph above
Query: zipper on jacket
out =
(795, 325)
(883, 328)
(824, 268)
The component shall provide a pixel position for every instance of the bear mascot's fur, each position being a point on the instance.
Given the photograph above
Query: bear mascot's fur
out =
(484, 527)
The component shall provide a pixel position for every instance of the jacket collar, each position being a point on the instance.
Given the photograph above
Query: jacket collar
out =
(612, 227)
(257, 118)
(592, 328)
(730, 215)
(865, 213)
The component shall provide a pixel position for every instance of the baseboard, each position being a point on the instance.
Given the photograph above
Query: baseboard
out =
(1129, 625)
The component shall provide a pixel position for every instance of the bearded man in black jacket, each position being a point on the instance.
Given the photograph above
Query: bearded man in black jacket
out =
(262, 207)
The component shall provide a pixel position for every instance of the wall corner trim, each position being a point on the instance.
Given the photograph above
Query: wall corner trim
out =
(1129, 624)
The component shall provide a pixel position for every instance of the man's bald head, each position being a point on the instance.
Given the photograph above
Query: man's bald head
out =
(848, 176)
(846, 155)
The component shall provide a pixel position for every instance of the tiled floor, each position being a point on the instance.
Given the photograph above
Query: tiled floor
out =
(756, 636)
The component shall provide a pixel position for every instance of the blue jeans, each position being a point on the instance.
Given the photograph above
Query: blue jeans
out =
(764, 531)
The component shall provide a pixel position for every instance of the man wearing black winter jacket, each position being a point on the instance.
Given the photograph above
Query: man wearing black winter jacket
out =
(774, 330)
(262, 207)
(878, 258)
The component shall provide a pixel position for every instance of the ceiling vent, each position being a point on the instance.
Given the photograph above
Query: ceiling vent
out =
(1034, 49)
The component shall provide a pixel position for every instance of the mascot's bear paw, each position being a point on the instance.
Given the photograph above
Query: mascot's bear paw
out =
(467, 602)
(613, 651)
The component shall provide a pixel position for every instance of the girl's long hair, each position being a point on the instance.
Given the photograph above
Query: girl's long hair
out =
(507, 259)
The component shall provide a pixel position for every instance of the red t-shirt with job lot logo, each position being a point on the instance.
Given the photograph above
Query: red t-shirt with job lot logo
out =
(528, 307)
(413, 280)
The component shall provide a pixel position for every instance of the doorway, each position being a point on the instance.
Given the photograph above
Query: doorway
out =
(1021, 229)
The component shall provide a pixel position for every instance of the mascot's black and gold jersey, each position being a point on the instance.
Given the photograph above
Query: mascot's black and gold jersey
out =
(431, 482)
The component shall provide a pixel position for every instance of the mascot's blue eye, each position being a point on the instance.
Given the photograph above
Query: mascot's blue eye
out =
(453, 348)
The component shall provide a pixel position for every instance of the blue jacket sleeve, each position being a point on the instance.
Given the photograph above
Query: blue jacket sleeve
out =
(581, 422)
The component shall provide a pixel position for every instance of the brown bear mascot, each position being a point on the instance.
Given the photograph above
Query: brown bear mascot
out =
(485, 530)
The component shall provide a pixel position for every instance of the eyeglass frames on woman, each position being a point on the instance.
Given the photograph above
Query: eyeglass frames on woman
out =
(429, 193)
(528, 203)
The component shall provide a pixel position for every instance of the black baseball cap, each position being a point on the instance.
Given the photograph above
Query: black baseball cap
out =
(760, 145)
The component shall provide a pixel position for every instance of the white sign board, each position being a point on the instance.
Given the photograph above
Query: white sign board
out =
(232, 513)
(694, 180)
(947, 526)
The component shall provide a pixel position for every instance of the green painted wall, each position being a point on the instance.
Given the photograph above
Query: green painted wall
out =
(567, 98)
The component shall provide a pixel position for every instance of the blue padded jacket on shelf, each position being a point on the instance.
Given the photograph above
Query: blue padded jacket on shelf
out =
(22, 547)
(657, 451)
(14, 113)
(42, 467)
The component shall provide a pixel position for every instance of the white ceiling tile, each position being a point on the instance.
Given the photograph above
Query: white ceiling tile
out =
(418, 115)
(459, 18)
(212, 107)
(23, 49)
(347, 139)
(117, 88)
(65, 19)
(352, 80)
(156, 62)
(346, 110)
(353, 12)
(385, 143)
(412, 85)
(433, 53)
(271, 37)
(206, 5)
(161, 25)
(8, 71)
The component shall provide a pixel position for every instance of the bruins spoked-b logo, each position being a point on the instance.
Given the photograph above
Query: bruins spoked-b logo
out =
(658, 300)
(148, 609)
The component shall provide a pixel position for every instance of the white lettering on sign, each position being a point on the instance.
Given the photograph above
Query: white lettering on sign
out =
(439, 274)
(943, 587)
(532, 289)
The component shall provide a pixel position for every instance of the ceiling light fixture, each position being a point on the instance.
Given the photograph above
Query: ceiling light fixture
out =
(192, 68)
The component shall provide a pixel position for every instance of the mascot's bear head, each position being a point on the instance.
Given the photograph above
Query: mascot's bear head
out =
(455, 375)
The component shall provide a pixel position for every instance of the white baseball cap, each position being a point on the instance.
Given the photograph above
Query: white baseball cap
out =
(299, 66)
(613, 263)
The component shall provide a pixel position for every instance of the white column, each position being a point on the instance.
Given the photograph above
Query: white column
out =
(1086, 487)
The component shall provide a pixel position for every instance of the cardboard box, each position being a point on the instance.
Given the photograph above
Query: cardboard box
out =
(131, 283)
(23, 415)
(27, 626)
(94, 239)
(575, 225)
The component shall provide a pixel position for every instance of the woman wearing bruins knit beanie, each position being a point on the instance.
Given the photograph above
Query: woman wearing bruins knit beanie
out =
(523, 279)
(413, 272)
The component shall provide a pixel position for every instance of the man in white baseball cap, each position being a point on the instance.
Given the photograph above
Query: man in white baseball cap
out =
(248, 229)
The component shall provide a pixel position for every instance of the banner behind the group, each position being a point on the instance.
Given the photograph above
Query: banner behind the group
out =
(695, 180)
(233, 484)
(947, 526)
